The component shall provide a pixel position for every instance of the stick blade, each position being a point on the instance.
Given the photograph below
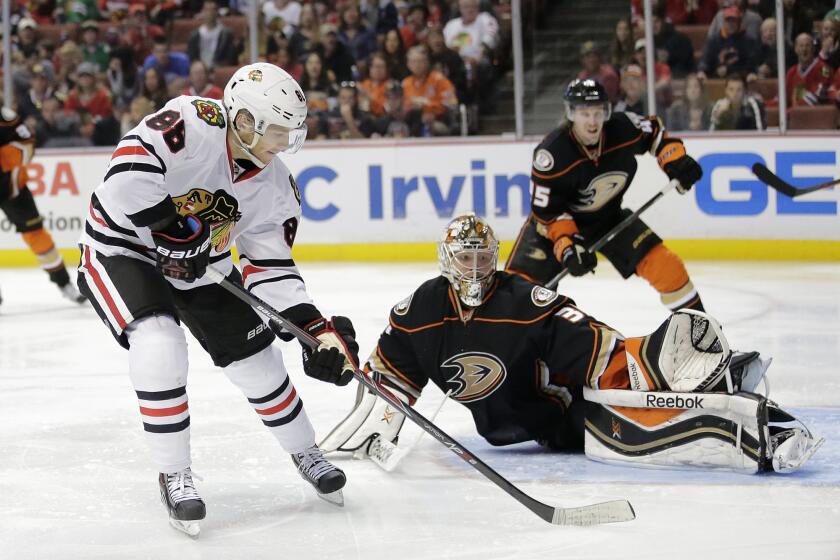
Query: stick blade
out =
(616, 511)
(770, 179)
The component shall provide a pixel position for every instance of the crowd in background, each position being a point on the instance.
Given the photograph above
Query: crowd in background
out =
(739, 58)
(87, 71)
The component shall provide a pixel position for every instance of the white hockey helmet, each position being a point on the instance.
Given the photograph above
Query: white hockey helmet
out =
(271, 96)
(468, 254)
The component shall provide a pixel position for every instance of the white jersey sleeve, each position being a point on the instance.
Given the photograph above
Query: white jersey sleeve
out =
(135, 180)
(268, 269)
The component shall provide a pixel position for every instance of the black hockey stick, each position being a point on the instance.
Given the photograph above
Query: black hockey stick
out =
(619, 227)
(606, 512)
(775, 182)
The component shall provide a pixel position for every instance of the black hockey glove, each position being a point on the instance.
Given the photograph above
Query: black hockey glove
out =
(338, 355)
(684, 169)
(577, 260)
(183, 248)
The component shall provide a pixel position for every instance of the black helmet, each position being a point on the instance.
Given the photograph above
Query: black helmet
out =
(585, 92)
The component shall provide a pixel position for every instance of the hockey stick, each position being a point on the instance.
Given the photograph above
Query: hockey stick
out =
(386, 455)
(775, 182)
(606, 512)
(552, 284)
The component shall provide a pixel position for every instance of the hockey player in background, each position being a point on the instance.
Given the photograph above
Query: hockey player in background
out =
(181, 189)
(580, 172)
(16, 147)
(530, 365)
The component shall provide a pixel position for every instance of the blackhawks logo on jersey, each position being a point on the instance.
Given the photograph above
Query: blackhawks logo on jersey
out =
(219, 210)
(209, 112)
(477, 375)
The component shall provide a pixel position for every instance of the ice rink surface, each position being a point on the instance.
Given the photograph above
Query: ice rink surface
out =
(76, 481)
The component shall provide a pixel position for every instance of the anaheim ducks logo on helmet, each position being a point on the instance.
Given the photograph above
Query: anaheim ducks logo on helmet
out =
(477, 375)
(599, 191)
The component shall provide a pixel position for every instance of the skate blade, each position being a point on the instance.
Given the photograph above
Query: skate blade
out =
(336, 498)
(190, 528)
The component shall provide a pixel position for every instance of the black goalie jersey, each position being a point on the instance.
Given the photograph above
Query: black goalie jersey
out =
(516, 363)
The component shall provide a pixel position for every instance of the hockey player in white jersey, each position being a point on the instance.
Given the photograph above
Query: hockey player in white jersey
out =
(181, 189)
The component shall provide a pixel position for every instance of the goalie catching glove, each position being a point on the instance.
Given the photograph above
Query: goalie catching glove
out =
(335, 360)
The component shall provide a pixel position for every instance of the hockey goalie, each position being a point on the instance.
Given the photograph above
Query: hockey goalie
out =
(530, 365)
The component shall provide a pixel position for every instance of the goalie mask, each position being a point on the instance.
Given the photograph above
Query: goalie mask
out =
(272, 97)
(468, 253)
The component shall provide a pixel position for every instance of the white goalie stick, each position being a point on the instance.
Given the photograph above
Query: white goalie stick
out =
(777, 183)
(619, 227)
(387, 455)
(606, 512)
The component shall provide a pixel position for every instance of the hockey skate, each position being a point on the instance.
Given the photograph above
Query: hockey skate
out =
(326, 478)
(185, 506)
(69, 291)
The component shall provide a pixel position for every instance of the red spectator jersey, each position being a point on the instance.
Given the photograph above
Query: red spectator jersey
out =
(806, 87)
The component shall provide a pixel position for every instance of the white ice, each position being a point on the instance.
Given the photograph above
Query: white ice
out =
(76, 480)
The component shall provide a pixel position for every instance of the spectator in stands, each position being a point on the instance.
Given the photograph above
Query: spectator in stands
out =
(429, 98)
(283, 59)
(140, 34)
(731, 50)
(163, 11)
(122, 78)
(319, 87)
(45, 56)
(661, 75)
(475, 36)
(632, 99)
(93, 50)
(307, 37)
(675, 46)
(154, 87)
(212, 43)
(89, 95)
(830, 39)
(336, 55)
(56, 128)
(736, 110)
(69, 57)
(394, 51)
(392, 122)
(355, 35)
(275, 40)
(621, 47)
(347, 119)
(590, 60)
(173, 65)
(450, 64)
(374, 88)
(42, 11)
(77, 11)
(808, 80)
(750, 20)
(387, 17)
(139, 109)
(693, 111)
(768, 61)
(200, 84)
(800, 15)
(289, 10)
(31, 103)
(416, 26)
(26, 41)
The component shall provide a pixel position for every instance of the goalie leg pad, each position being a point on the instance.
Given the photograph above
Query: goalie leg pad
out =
(743, 432)
(370, 417)
(687, 353)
